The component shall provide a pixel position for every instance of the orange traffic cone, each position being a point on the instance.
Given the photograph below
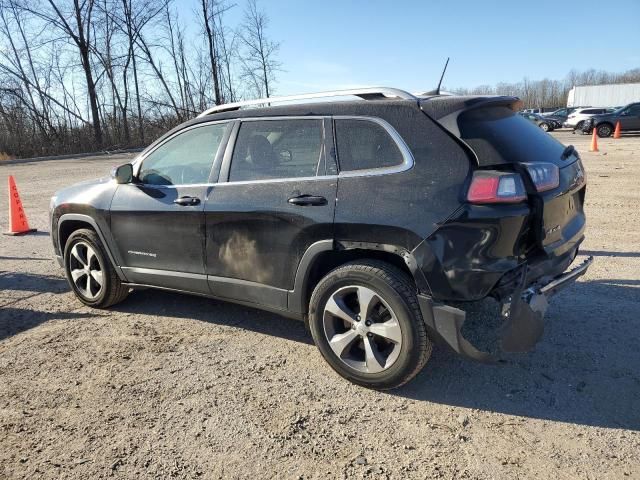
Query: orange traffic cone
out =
(594, 142)
(616, 133)
(17, 217)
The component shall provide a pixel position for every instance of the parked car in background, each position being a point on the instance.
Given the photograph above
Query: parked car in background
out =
(561, 114)
(545, 124)
(539, 111)
(554, 121)
(576, 119)
(372, 220)
(628, 116)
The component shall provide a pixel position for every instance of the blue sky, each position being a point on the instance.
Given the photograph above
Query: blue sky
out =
(338, 44)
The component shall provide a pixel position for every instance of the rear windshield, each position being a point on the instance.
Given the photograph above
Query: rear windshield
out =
(498, 135)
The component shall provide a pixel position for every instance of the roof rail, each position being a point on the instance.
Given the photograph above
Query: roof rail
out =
(371, 93)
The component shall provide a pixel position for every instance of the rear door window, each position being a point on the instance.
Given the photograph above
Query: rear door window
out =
(272, 149)
(364, 144)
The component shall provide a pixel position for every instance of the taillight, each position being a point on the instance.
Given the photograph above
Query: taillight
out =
(545, 176)
(488, 186)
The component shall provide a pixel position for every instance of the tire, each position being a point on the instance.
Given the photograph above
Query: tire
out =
(86, 264)
(579, 125)
(604, 130)
(545, 127)
(387, 356)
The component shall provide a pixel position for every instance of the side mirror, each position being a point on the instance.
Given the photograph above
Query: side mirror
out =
(123, 173)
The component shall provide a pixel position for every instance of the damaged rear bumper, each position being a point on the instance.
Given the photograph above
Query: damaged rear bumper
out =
(523, 314)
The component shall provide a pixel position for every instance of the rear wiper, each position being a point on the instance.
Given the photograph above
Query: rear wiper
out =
(568, 151)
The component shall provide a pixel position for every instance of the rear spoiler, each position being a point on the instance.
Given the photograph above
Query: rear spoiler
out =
(445, 110)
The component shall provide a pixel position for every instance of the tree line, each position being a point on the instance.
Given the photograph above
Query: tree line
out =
(86, 75)
(552, 93)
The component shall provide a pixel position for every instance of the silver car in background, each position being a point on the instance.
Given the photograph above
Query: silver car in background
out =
(577, 118)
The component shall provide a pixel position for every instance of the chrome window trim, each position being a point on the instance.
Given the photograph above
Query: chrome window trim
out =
(137, 162)
(408, 159)
(407, 156)
(278, 180)
(180, 185)
(284, 117)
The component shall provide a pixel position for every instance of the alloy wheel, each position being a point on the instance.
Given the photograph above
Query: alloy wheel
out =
(362, 329)
(85, 270)
(604, 130)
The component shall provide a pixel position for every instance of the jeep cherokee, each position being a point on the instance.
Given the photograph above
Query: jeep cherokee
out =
(372, 220)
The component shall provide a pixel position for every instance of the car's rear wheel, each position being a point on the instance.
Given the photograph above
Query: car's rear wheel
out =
(544, 126)
(604, 130)
(365, 319)
(89, 271)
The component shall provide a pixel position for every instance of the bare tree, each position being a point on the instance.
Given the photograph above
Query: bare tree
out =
(76, 24)
(259, 63)
(212, 12)
(132, 18)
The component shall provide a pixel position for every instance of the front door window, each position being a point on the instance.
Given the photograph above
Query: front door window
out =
(185, 159)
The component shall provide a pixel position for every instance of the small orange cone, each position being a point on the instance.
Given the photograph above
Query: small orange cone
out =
(594, 142)
(616, 133)
(17, 217)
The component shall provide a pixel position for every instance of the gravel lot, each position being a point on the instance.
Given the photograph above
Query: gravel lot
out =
(176, 386)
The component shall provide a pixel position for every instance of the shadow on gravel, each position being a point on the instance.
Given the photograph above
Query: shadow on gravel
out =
(601, 253)
(32, 283)
(586, 370)
(2, 257)
(150, 302)
(37, 233)
(16, 320)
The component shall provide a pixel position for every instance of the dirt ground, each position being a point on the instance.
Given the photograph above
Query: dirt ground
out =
(170, 386)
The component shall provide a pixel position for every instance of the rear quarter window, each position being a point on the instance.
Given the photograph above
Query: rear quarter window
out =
(364, 144)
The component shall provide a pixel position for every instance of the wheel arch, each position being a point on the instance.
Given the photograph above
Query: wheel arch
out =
(326, 255)
(70, 222)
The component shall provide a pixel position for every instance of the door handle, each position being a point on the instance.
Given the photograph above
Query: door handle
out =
(307, 200)
(187, 201)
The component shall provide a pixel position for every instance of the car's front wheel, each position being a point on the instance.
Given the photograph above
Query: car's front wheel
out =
(365, 319)
(89, 271)
(544, 126)
(604, 130)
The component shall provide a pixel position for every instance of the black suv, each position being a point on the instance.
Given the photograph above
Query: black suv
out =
(368, 219)
(605, 124)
